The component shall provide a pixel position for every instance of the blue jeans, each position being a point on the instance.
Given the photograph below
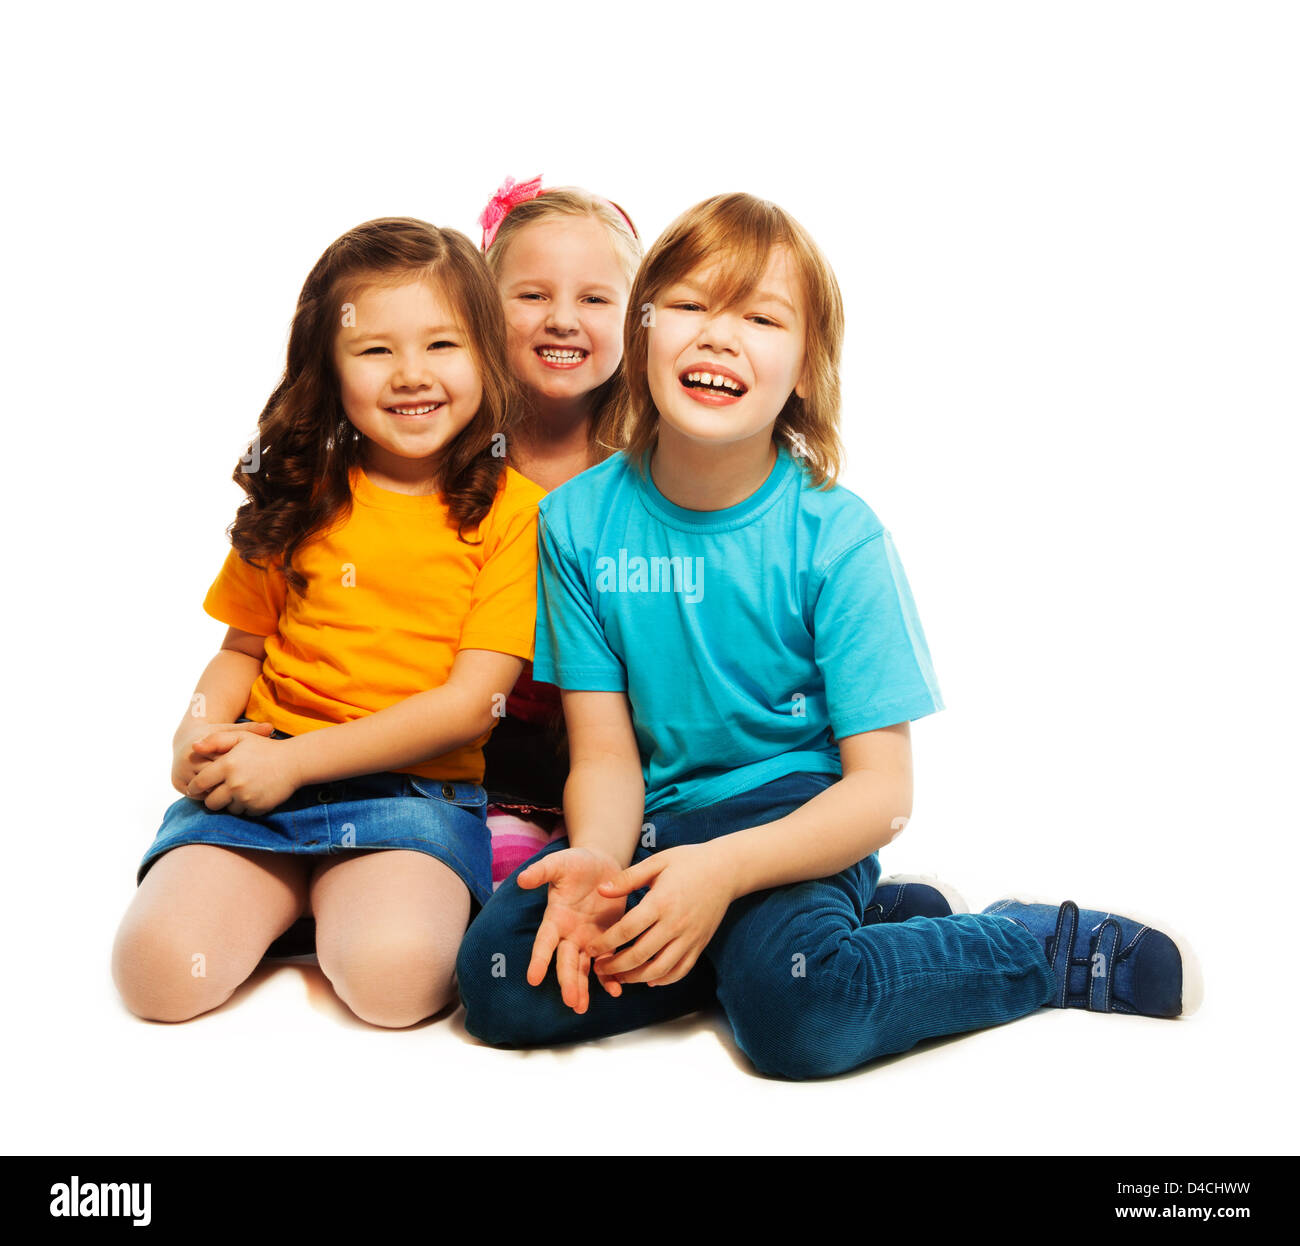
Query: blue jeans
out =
(808, 989)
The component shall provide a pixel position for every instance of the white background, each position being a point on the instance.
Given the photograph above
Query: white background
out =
(1066, 237)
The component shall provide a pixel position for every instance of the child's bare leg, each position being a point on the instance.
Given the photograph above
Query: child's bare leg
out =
(388, 926)
(198, 925)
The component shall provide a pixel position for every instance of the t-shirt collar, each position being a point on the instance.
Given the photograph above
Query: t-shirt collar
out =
(736, 516)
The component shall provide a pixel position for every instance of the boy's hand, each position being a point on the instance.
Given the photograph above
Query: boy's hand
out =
(250, 775)
(686, 903)
(186, 763)
(575, 914)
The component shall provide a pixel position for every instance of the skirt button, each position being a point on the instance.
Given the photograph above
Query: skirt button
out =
(448, 792)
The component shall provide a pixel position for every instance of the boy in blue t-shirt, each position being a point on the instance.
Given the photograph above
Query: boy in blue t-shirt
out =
(757, 635)
(740, 658)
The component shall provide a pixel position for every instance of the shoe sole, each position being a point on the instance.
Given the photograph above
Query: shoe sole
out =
(1193, 981)
(950, 893)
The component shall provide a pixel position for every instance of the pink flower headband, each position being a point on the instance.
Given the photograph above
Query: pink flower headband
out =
(511, 195)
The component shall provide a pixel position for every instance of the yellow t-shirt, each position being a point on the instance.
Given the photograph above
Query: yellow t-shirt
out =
(392, 595)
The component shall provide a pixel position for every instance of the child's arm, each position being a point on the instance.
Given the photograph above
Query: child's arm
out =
(428, 724)
(604, 802)
(694, 884)
(859, 592)
(253, 775)
(220, 696)
(850, 820)
(862, 592)
(604, 795)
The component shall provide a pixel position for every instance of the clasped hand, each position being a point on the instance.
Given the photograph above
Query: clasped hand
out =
(241, 771)
(587, 919)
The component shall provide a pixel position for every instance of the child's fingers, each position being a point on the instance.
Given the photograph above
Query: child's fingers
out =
(221, 739)
(548, 938)
(217, 742)
(656, 967)
(584, 981)
(675, 973)
(219, 797)
(206, 778)
(632, 878)
(634, 922)
(622, 965)
(254, 728)
(566, 969)
(540, 872)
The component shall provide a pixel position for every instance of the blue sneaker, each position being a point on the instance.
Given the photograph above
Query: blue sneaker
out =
(1108, 963)
(901, 896)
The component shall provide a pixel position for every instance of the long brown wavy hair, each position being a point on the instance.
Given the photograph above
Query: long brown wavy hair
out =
(307, 447)
(740, 231)
(603, 435)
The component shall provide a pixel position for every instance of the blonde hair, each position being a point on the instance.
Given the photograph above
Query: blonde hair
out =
(739, 232)
(603, 436)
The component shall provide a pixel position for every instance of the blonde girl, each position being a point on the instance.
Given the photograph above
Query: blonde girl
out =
(564, 261)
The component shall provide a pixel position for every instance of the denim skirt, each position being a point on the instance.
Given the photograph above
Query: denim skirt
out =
(446, 819)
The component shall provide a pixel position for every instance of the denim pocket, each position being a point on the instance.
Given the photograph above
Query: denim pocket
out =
(470, 796)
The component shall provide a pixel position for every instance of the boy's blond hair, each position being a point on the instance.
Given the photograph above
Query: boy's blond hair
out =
(739, 233)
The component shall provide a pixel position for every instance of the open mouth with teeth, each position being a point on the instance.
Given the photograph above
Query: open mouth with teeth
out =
(713, 383)
(561, 356)
(414, 410)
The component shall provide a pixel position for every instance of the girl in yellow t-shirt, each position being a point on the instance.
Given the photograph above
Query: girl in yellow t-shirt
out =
(380, 600)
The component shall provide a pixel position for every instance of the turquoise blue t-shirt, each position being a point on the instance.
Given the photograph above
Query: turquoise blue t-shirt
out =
(748, 639)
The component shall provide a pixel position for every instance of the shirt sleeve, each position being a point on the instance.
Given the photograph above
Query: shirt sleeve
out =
(246, 597)
(868, 642)
(503, 602)
(572, 650)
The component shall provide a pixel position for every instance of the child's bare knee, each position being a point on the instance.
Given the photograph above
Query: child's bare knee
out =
(391, 979)
(161, 978)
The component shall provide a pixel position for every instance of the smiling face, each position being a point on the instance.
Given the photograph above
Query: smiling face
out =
(723, 374)
(564, 293)
(409, 381)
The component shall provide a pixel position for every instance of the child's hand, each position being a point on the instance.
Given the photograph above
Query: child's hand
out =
(686, 903)
(575, 914)
(250, 776)
(186, 763)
